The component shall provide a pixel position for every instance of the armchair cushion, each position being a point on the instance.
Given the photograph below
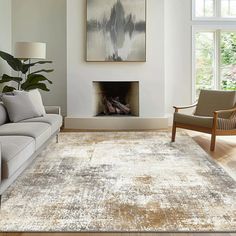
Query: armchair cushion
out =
(211, 100)
(205, 121)
(201, 121)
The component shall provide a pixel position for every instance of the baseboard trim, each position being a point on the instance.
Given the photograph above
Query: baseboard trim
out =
(116, 123)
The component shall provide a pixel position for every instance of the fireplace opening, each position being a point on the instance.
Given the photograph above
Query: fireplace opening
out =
(116, 98)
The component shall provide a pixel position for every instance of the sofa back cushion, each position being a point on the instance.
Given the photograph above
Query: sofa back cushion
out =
(36, 99)
(3, 115)
(211, 100)
(20, 107)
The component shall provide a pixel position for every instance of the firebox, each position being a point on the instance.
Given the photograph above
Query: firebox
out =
(116, 98)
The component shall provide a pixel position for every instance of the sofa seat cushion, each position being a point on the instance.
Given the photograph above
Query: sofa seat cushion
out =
(41, 132)
(201, 121)
(52, 119)
(15, 150)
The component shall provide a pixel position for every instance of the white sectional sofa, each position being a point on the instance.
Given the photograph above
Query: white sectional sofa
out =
(21, 142)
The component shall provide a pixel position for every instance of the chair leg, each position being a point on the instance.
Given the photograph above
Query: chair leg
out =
(213, 142)
(57, 138)
(0, 202)
(173, 133)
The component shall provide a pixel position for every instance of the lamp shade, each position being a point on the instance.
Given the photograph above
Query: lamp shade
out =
(30, 50)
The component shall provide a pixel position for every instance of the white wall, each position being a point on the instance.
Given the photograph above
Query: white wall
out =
(45, 21)
(165, 78)
(80, 74)
(5, 33)
(178, 53)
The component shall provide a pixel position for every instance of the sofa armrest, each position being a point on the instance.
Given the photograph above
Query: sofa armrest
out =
(53, 110)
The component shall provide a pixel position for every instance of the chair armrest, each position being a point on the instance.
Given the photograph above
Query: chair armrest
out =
(217, 113)
(53, 110)
(226, 111)
(177, 108)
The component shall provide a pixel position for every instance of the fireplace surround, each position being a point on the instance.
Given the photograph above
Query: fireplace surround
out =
(115, 98)
(154, 90)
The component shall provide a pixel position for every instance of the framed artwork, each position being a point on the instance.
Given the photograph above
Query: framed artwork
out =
(116, 31)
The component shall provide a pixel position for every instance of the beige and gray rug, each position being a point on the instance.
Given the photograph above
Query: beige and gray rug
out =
(121, 182)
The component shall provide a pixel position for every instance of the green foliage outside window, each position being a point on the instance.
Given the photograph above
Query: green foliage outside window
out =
(205, 61)
(228, 61)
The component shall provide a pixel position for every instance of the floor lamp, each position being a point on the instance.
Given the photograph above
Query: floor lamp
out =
(30, 50)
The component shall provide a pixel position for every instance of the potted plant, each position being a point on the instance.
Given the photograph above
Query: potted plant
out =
(25, 80)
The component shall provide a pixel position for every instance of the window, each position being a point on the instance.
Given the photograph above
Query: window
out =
(228, 61)
(214, 45)
(228, 8)
(214, 9)
(214, 60)
(204, 61)
(204, 8)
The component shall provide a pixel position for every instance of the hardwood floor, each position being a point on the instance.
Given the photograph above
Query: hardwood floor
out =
(117, 234)
(224, 155)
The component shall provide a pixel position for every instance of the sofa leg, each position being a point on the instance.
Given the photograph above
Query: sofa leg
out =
(57, 138)
(173, 133)
(213, 142)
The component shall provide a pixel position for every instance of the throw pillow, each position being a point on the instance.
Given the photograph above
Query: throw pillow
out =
(36, 99)
(20, 107)
(3, 115)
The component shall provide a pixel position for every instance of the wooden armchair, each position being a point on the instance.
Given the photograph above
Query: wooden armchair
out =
(215, 114)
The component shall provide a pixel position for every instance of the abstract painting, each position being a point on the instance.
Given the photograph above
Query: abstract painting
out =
(116, 30)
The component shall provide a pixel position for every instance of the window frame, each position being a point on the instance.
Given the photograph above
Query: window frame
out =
(217, 16)
(216, 29)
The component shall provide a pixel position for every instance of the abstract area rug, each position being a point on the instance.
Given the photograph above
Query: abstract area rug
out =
(136, 181)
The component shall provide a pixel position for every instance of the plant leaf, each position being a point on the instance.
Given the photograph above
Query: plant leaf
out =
(40, 62)
(7, 78)
(39, 71)
(8, 89)
(41, 86)
(35, 78)
(25, 67)
(14, 63)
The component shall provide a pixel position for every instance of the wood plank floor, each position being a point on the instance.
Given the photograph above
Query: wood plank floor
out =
(117, 234)
(225, 155)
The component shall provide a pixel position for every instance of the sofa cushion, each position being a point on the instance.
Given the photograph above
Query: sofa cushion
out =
(206, 122)
(20, 107)
(41, 132)
(3, 114)
(15, 150)
(52, 119)
(36, 99)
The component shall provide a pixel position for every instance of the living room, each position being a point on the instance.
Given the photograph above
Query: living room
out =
(118, 117)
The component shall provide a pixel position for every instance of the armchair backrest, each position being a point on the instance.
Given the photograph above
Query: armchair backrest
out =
(212, 100)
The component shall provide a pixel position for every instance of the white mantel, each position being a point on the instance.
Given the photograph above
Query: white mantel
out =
(81, 74)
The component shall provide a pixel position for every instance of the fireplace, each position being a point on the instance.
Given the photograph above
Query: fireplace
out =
(116, 98)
